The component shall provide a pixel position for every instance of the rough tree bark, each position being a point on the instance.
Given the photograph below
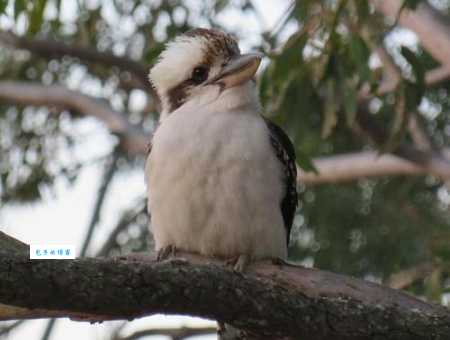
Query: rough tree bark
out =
(269, 300)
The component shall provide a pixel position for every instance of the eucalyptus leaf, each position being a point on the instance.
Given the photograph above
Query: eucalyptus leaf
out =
(3, 4)
(19, 7)
(418, 70)
(36, 16)
(305, 162)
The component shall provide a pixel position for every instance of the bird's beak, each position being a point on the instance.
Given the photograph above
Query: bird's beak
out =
(238, 70)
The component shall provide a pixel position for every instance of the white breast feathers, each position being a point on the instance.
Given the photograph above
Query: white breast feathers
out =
(215, 185)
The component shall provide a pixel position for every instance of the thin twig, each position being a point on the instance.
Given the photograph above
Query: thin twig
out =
(173, 333)
(404, 278)
(4, 331)
(123, 223)
(48, 329)
(110, 169)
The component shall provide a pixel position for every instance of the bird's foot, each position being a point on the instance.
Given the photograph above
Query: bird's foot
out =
(278, 261)
(165, 252)
(238, 263)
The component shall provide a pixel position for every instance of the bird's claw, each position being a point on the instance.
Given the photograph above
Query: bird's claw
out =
(165, 252)
(238, 263)
(278, 261)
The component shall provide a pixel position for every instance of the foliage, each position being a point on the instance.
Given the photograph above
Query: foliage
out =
(321, 60)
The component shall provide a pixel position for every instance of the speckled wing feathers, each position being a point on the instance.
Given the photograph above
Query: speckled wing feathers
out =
(285, 153)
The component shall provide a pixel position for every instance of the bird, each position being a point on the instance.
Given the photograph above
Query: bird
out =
(221, 178)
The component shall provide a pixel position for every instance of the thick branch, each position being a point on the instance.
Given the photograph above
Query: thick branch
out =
(270, 300)
(133, 139)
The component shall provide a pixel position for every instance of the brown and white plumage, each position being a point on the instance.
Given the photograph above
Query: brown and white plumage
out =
(221, 178)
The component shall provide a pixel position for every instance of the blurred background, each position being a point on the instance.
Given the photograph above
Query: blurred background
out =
(360, 87)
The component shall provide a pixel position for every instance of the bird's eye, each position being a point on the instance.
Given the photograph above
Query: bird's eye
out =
(200, 74)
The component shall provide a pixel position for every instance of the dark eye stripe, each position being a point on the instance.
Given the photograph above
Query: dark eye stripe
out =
(177, 95)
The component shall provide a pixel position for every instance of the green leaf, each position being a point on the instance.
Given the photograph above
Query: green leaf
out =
(265, 86)
(3, 4)
(19, 7)
(153, 53)
(305, 162)
(408, 96)
(302, 9)
(398, 128)
(417, 67)
(36, 16)
(413, 95)
(290, 59)
(433, 285)
(330, 108)
(350, 104)
(58, 5)
(360, 53)
(411, 4)
(220, 5)
(362, 8)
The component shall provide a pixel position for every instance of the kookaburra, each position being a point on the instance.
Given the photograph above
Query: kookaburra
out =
(221, 178)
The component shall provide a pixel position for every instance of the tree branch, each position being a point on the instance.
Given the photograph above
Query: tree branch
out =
(133, 139)
(404, 278)
(272, 301)
(127, 218)
(51, 49)
(214, 292)
(352, 166)
(5, 330)
(109, 171)
(430, 25)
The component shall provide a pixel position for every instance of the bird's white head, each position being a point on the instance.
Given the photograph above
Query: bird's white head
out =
(197, 61)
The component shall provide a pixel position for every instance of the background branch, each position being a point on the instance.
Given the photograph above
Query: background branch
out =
(132, 138)
(352, 166)
(173, 333)
(51, 49)
(5, 330)
(404, 278)
(430, 26)
(110, 169)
